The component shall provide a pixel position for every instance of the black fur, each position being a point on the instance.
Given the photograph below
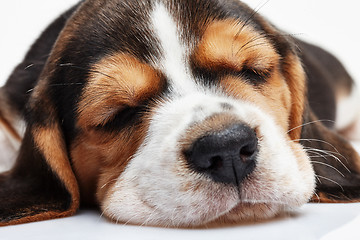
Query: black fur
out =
(31, 187)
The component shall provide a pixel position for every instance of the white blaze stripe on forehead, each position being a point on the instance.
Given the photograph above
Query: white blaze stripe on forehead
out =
(173, 62)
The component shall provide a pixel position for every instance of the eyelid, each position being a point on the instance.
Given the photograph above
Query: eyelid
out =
(253, 75)
(109, 116)
(123, 117)
(261, 72)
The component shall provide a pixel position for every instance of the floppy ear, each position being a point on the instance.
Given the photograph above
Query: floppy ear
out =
(336, 163)
(41, 185)
(296, 80)
(294, 73)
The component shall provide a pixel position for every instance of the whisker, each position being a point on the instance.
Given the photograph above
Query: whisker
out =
(260, 37)
(149, 217)
(254, 45)
(65, 84)
(330, 180)
(254, 39)
(317, 196)
(331, 154)
(103, 212)
(247, 21)
(76, 83)
(108, 183)
(318, 140)
(85, 69)
(328, 165)
(286, 34)
(117, 220)
(305, 124)
(317, 154)
(128, 221)
(173, 216)
(29, 66)
(57, 85)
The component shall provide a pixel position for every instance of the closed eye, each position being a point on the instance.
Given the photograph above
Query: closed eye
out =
(126, 117)
(254, 76)
(250, 75)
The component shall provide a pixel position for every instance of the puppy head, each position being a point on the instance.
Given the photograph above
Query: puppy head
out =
(200, 130)
(172, 115)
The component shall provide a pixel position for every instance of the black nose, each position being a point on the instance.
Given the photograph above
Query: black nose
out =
(227, 156)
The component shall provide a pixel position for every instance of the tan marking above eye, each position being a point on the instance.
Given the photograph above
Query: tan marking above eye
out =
(116, 82)
(230, 44)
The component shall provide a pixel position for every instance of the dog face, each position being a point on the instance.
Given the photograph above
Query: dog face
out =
(196, 131)
(167, 113)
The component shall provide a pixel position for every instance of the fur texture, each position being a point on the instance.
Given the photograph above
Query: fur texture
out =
(128, 89)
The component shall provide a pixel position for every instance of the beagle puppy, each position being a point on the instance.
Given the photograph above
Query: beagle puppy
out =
(174, 113)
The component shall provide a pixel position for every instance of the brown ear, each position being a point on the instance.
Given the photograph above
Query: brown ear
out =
(41, 185)
(336, 163)
(294, 73)
(296, 80)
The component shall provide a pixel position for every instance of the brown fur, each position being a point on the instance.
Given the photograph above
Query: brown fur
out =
(294, 73)
(228, 44)
(7, 116)
(117, 81)
(221, 46)
(131, 83)
(109, 153)
(9, 128)
(210, 125)
(50, 142)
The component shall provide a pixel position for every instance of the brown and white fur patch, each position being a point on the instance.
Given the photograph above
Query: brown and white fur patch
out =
(152, 188)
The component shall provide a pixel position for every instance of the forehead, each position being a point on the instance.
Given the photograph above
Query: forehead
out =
(161, 34)
(127, 26)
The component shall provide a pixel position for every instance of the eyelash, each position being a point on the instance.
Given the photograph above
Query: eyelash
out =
(125, 117)
(253, 75)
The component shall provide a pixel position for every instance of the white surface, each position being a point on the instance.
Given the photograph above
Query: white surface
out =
(332, 24)
(313, 221)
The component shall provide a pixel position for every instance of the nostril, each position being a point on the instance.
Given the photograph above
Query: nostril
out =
(216, 163)
(227, 156)
(248, 152)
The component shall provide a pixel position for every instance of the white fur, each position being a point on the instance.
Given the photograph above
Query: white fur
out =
(158, 188)
(348, 114)
(9, 146)
(173, 63)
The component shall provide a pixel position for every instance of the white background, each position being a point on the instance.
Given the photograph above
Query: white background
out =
(332, 24)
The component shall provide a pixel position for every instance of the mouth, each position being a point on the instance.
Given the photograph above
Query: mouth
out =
(248, 205)
(199, 202)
